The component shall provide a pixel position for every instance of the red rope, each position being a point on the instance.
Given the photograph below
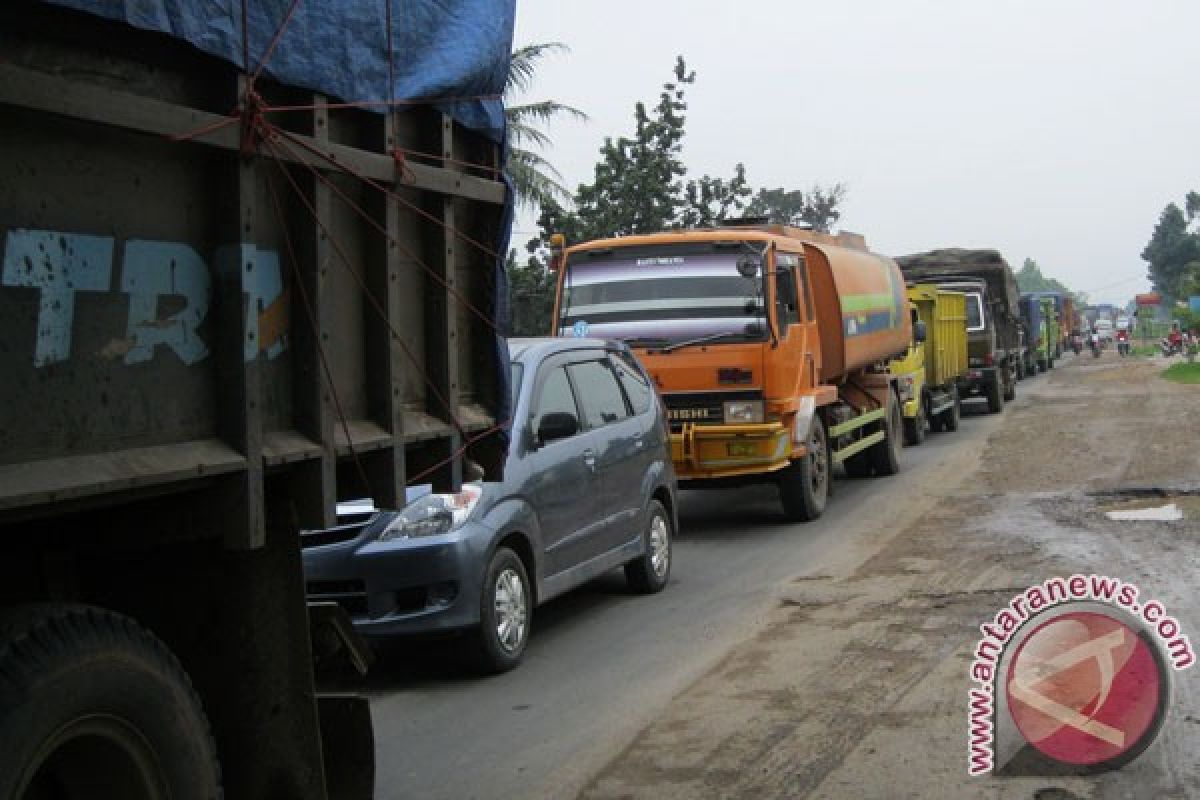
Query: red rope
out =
(267, 138)
(274, 41)
(403, 248)
(381, 188)
(470, 441)
(312, 320)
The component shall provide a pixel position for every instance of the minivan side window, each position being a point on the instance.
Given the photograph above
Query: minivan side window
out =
(599, 393)
(556, 397)
(637, 388)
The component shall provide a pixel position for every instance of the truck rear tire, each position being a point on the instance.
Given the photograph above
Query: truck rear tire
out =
(92, 705)
(804, 484)
(885, 456)
(1021, 369)
(995, 396)
(952, 414)
(1010, 390)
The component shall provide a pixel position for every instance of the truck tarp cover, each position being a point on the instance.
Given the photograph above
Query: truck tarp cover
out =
(988, 265)
(451, 51)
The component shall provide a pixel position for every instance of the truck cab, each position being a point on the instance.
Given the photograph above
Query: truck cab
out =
(768, 346)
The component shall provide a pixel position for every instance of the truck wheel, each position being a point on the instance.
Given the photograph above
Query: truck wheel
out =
(995, 396)
(804, 484)
(1020, 369)
(1041, 365)
(885, 456)
(952, 414)
(1010, 389)
(1050, 363)
(914, 428)
(92, 705)
(505, 609)
(649, 572)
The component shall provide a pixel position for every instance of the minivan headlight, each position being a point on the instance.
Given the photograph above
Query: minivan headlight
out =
(743, 411)
(433, 514)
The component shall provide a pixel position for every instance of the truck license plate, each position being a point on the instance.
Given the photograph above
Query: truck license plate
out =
(741, 448)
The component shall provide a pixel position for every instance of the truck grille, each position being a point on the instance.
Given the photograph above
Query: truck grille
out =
(700, 408)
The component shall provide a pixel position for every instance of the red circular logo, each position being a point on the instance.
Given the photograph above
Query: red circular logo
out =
(1085, 689)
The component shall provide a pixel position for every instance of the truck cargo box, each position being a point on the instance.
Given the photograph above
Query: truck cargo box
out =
(219, 318)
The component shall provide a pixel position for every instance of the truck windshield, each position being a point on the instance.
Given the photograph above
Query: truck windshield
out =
(664, 295)
(974, 312)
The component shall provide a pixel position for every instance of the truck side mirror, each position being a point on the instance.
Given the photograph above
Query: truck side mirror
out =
(785, 287)
(920, 334)
(557, 425)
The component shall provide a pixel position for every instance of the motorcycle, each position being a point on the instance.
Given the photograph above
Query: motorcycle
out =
(1170, 348)
(1095, 343)
(1123, 346)
(1077, 343)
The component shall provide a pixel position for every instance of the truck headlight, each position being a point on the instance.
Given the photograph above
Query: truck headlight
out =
(433, 514)
(740, 412)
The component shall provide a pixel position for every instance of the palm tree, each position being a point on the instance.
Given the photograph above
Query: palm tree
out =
(535, 179)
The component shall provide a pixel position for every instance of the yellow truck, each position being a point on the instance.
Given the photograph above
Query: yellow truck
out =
(927, 376)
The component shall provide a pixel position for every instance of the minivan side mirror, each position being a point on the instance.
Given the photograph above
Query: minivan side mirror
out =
(920, 333)
(556, 425)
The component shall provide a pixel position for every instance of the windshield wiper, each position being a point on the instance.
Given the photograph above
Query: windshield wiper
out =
(712, 337)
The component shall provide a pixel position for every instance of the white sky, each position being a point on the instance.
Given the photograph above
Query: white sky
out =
(1053, 129)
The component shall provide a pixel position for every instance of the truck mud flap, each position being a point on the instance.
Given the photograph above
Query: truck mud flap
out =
(347, 746)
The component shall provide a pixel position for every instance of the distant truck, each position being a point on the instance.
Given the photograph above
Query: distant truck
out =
(993, 325)
(1040, 315)
(927, 377)
(205, 348)
(769, 346)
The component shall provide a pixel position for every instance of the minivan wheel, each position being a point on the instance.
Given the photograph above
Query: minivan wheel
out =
(649, 572)
(505, 611)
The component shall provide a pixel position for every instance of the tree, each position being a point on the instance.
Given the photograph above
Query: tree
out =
(535, 180)
(1172, 248)
(1031, 279)
(817, 210)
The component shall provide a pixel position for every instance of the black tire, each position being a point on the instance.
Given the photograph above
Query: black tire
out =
(648, 573)
(952, 414)
(1043, 364)
(1050, 363)
(995, 396)
(858, 466)
(1010, 391)
(804, 484)
(92, 705)
(505, 583)
(885, 456)
(914, 428)
(1021, 369)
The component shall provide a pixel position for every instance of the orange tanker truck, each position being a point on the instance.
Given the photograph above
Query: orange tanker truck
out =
(769, 345)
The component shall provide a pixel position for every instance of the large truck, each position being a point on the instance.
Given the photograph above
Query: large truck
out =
(927, 377)
(216, 325)
(1039, 313)
(769, 345)
(993, 324)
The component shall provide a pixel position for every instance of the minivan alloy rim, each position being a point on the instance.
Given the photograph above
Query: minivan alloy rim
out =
(511, 610)
(660, 546)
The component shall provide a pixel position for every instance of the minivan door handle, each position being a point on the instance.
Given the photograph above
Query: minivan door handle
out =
(589, 458)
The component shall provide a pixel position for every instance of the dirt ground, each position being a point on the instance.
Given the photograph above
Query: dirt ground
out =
(855, 685)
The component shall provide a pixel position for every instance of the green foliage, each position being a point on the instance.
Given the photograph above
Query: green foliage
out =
(1183, 373)
(1173, 251)
(535, 180)
(1031, 279)
(641, 185)
(818, 209)
(531, 297)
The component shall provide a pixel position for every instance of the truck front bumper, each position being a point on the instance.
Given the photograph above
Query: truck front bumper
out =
(724, 451)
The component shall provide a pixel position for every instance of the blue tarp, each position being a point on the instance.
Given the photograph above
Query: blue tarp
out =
(441, 49)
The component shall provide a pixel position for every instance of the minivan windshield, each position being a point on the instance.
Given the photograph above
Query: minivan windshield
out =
(661, 295)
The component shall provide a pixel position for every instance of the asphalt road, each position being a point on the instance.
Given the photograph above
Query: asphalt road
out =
(603, 662)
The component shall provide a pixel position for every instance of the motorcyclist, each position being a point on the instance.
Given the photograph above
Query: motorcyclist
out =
(1175, 339)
